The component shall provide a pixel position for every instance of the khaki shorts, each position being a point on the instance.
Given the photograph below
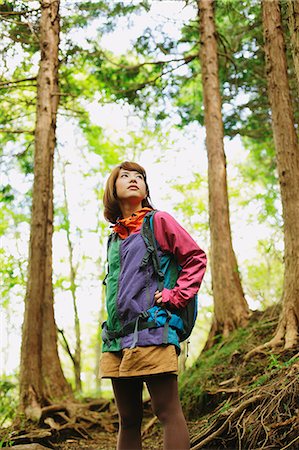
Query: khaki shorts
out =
(139, 361)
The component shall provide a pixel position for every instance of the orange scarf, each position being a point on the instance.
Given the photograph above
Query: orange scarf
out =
(131, 224)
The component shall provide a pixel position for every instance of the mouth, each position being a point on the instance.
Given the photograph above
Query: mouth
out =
(135, 188)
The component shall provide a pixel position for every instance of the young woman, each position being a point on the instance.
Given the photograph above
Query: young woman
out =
(133, 354)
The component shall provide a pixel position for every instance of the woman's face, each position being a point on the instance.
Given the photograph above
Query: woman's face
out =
(130, 185)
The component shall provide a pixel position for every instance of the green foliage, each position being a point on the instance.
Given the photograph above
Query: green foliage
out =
(8, 401)
(214, 363)
(264, 282)
(194, 204)
(81, 13)
(13, 209)
(6, 194)
(20, 22)
(188, 97)
(273, 368)
(260, 170)
(153, 70)
(98, 142)
(159, 72)
(261, 380)
(241, 64)
(124, 78)
(12, 276)
(17, 74)
(223, 366)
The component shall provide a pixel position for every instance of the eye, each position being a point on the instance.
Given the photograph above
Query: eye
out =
(139, 176)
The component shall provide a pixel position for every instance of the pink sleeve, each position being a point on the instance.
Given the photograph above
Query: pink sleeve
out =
(173, 238)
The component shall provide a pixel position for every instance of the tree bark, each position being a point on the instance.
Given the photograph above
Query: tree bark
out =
(293, 21)
(41, 376)
(230, 307)
(287, 155)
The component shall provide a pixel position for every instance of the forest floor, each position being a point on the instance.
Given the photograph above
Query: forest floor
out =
(107, 441)
(230, 402)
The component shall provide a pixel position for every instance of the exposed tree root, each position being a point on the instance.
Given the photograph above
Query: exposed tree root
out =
(59, 422)
(272, 344)
(225, 424)
(286, 335)
(72, 419)
(265, 417)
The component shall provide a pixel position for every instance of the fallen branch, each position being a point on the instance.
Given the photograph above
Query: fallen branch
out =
(226, 391)
(149, 425)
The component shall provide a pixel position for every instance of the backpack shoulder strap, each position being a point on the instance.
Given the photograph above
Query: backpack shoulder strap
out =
(147, 232)
(111, 237)
(147, 229)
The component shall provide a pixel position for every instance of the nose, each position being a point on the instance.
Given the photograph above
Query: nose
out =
(133, 179)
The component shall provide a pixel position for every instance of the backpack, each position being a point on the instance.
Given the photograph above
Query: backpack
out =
(188, 314)
(182, 319)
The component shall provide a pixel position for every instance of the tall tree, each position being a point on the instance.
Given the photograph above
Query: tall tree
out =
(293, 22)
(287, 155)
(41, 376)
(230, 307)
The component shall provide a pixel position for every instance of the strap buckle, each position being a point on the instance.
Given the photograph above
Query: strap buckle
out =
(144, 315)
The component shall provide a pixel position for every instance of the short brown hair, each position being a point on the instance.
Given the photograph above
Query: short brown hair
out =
(111, 207)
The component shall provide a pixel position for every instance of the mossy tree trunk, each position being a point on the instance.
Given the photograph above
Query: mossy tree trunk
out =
(230, 307)
(41, 376)
(287, 155)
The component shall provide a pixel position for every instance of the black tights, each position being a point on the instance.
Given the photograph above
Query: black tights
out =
(166, 405)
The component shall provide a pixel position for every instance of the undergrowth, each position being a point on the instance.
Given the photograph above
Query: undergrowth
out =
(8, 401)
(223, 366)
(241, 404)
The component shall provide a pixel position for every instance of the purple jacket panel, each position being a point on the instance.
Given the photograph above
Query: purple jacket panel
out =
(133, 297)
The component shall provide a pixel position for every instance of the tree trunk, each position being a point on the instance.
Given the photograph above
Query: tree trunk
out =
(230, 307)
(293, 21)
(41, 377)
(287, 154)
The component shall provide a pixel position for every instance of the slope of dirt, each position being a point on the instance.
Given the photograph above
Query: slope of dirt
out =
(230, 402)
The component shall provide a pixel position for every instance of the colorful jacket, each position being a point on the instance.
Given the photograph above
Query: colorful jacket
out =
(130, 289)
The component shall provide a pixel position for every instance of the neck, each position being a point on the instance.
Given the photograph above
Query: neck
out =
(127, 209)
